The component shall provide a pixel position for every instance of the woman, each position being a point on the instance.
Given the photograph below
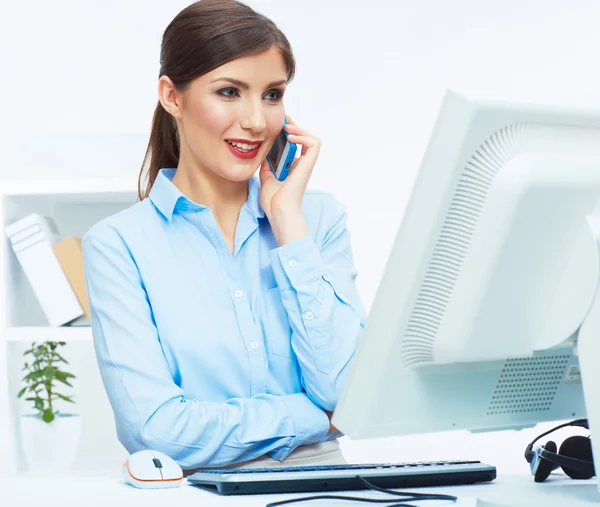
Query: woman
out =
(224, 306)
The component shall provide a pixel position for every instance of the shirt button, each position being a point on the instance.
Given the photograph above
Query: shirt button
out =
(254, 345)
(239, 293)
(309, 315)
(293, 263)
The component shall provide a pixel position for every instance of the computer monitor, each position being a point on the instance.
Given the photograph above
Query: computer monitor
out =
(487, 316)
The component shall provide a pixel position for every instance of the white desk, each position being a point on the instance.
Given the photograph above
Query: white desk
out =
(507, 491)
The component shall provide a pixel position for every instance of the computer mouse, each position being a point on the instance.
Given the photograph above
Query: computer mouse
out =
(151, 470)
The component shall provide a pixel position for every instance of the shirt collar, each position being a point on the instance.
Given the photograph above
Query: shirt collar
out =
(167, 197)
(253, 202)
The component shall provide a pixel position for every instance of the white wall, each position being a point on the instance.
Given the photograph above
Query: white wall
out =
(78, 91)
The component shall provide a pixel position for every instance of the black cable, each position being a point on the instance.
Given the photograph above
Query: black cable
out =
(582, 423)
(411, 497)
(339, 497)
(422, 496)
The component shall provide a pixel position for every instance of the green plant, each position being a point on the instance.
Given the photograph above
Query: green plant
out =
(42, 374)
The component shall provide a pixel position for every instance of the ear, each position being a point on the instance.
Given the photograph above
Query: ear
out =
(169, 97)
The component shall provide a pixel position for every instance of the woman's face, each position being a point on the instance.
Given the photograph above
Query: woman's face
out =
(230, 116)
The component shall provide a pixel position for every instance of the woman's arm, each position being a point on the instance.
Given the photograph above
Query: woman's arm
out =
(318, 290)
(317, 282)
(151, 411)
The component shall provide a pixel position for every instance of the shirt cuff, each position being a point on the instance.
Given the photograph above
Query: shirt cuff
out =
(311, 424)
(297, 262)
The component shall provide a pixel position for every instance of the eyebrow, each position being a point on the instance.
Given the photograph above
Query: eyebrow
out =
(245, 86)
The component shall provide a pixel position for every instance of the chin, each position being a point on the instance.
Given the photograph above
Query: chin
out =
(241, 170)
(239, 173)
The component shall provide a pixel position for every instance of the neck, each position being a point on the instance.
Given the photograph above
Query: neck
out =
(225, 198)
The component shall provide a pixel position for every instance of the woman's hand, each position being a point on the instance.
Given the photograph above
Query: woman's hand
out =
(281, 200)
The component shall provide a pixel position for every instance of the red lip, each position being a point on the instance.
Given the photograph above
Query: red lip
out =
(243, 154)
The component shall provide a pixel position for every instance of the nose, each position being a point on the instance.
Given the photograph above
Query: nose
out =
(253, 117)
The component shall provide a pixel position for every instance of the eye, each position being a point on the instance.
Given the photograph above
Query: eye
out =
(229, 92)
(274, 95)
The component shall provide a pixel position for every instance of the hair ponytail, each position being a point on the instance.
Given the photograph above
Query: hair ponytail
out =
(162, 150)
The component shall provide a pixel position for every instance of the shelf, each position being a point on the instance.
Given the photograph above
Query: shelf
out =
(84, 192)
(41, 333)
(85, 187)
(74, 205)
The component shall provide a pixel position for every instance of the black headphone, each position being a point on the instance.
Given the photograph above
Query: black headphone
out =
(574, 457)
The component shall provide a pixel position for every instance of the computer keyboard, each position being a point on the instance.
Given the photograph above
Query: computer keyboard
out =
(240, 481)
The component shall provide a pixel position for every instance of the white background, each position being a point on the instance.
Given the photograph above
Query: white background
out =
(78, 89)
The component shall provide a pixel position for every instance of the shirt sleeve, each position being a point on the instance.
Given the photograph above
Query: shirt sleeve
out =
(150, 410)
(326, 315)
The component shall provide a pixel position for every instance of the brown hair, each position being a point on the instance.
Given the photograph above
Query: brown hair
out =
(202, 37)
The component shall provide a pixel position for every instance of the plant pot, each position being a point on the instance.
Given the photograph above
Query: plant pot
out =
(50, 448)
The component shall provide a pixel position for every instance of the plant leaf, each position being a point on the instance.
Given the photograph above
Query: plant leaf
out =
(21, 392)
(66, 382)
(48, 416)
(63, 374)
(60, 358)
(34, 375)
(66, 398)
(50, 371)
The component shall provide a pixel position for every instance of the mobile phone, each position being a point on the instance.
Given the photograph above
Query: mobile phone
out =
(281, 155)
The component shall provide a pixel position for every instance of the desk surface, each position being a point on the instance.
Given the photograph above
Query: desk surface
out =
(507, 491)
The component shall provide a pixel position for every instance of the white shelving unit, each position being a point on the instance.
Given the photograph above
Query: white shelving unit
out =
(40, 333)
(75, 205)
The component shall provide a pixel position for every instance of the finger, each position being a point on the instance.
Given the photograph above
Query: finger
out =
(265, 166)
(265, 173)
(307, 142)
(294, 129)
(310, 145)
(301, 170)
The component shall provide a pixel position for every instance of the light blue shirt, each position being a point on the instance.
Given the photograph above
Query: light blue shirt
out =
(212, 357)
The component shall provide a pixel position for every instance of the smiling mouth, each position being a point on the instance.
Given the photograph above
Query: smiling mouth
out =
(245, 147)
